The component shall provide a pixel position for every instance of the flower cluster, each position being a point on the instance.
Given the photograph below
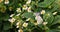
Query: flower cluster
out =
(27, 7)
(29, 15)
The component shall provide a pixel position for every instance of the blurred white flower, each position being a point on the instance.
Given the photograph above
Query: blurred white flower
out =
(43, 12)
(18, 14)
(28, 19)
(28, 2)
(6, 2)
(38, 18)
(18, 10)
(1, 1)
(25, 24)
(54, 13)
(12, 20)
(12, 15)
(29, 9)
(20, 30)
(17, 24)
(25, 7)
(44, 23)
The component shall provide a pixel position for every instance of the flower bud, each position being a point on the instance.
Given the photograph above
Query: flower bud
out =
(25, 24)
(43, 12)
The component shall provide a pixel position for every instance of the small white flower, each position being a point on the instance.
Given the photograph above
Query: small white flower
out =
(44, 23)
(12, 20)
(28, 19)
(28, 2)
(25, 24)
(20, 30)
(6, 2)
(54, 13)
(18, 14)
(17, 24)
(12, 15)
(25, 7)
(39, 19)
(18, 10)
(29, 9)
(43, 12)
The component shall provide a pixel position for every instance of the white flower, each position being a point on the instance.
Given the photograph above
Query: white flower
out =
(39, 19)
(18, 14)
(25, 7)
(29, 9)
(1, 1)
(25, 24)
(20, 30)
(12, 20)
(6, 2)
(10, 8)
(28, 19)
(17, 24)
(12, 15)
(43, 12)
(44, 23)
(18, 10)
(54, 13)
(28, 2)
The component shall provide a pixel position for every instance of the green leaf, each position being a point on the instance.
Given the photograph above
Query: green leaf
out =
(6, 26)
(56, 20)
(48, 17)
(54, 30)
(4, 17)
(28, 15)
(38, 10)
(46, 3)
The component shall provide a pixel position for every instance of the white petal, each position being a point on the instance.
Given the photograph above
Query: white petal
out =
(7, 2)
(39, 19)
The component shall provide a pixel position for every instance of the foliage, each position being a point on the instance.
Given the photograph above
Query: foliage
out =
(29, 15)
